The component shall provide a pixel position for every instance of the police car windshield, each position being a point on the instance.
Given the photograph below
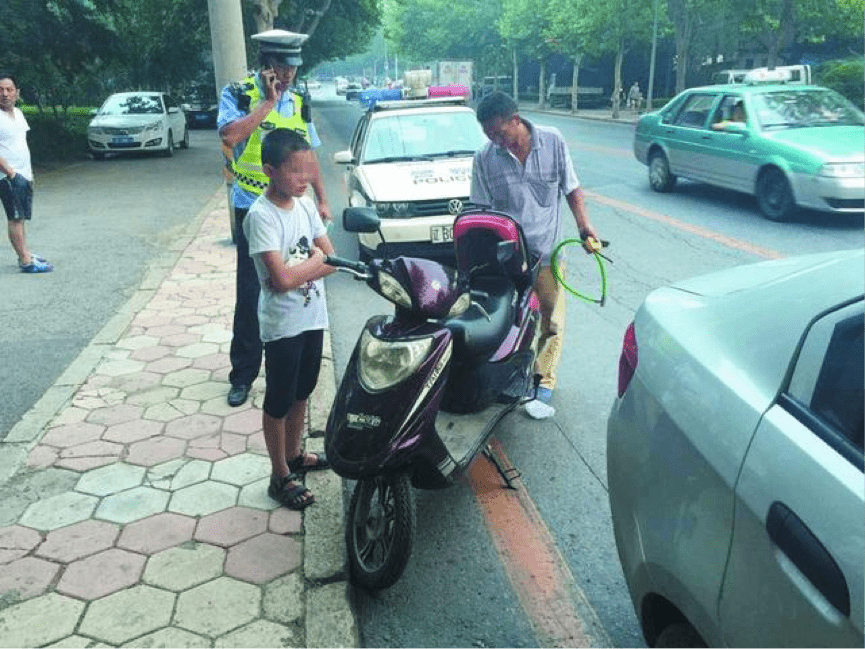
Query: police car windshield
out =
(396, 136)
(805, 108)
(132, 105)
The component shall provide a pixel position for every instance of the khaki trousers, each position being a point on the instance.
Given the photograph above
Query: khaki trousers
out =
(552, 298)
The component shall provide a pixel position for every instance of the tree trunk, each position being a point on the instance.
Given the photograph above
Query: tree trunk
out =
(617, 80)
(542, 83)
(265, 11)
(575, 82)
(516, 77)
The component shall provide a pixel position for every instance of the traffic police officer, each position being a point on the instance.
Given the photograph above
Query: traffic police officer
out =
(247, 111)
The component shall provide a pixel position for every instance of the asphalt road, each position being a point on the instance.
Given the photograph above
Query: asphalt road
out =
(101, 224)
(455, 591)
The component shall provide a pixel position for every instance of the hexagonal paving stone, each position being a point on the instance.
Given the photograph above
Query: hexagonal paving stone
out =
(255, 496)
(155, 450)
(132, 505)
(193, 426)
(169, 637)
(245, 423)
(212, 362)
(136, 383)
(137, 342)
(187, 377)
(23, 625)
(133, 431)
(157, 533)
(177, 474)
(283, 599)
(152, 353)
(231, 526)
(204, 391)
(198, 349)
(76, 541)
(217, 607)
(185, 566)
(261, 633)
(203, 498)
(128, 614)
(174, 409)
(101, 574)
(16, 542)
(110, 479)
(59, 511)
(72, 434)
(168, 365)
(285, 521)
(26, 578)
(115, 414)
(263, 558)
(241, 470)
(89, 456)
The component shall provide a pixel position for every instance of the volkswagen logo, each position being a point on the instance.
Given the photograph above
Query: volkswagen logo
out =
(455, 206)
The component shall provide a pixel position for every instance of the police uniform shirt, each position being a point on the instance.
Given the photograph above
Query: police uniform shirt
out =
(230, 112)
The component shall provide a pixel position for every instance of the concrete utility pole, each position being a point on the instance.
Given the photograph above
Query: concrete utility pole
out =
(227, 42)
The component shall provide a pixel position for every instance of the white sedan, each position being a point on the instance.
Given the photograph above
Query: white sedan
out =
(735, 459)
(137, 121)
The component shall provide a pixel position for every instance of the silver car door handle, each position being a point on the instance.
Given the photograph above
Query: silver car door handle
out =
(808, 554)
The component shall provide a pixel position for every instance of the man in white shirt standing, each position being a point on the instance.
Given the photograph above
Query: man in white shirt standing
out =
(16, 184)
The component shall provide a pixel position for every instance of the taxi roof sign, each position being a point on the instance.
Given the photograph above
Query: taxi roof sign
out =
(765, 75)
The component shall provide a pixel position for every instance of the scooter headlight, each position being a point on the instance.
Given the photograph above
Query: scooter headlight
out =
(393, 290)
(383, 364)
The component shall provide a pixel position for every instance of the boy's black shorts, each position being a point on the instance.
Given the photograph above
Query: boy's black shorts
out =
(291, 367)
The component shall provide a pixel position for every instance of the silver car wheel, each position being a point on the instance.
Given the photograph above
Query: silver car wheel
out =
(660, 178)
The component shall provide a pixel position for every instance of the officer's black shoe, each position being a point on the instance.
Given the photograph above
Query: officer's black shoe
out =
(237, 395)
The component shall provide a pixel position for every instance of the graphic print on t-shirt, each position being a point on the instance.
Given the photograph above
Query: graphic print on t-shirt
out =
(296, 255)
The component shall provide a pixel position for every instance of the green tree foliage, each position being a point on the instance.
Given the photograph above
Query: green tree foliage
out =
(845, 77)
(53, 45)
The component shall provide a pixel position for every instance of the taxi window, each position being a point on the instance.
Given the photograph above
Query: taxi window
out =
(695, 111)
(724, 112)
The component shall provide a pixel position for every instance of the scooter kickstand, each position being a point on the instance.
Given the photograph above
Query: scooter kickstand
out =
(508, 474)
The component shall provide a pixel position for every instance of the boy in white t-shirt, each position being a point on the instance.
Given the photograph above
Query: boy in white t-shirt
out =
(288, 243)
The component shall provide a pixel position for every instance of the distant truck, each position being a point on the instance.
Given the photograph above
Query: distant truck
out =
(798, 74)
(453, 73)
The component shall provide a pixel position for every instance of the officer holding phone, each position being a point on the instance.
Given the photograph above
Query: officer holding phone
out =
(248, 110)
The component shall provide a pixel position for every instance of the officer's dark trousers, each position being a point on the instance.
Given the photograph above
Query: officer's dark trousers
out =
(246, 348)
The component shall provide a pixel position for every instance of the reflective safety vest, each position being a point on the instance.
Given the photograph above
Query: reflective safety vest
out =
(248, 171)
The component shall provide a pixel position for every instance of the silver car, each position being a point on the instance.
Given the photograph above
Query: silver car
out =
(735, 460)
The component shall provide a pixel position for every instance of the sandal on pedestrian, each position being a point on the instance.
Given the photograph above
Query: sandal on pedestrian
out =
(290, 494)
(297, 465)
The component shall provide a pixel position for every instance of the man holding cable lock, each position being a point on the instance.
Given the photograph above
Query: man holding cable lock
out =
(248, 110)
(523, 171)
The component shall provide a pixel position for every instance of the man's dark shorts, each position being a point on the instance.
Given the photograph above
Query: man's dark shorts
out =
(291, 367)
(17, 197)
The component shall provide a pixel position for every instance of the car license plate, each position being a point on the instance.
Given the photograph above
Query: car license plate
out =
(121, 139)
(442, 233)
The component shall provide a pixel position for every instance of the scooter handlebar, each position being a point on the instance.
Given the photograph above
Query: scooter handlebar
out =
(356, 267)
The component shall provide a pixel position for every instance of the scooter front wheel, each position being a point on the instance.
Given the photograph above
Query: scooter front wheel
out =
(379, 530)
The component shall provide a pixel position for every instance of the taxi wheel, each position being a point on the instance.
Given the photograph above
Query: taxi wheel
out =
(660, 177)
(774, 195)
(169, 149)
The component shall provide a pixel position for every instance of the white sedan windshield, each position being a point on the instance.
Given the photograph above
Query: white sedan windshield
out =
(801, 108)
(421, 136)
(132, 105)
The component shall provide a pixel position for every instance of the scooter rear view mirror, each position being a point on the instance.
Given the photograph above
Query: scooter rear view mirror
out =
(360, 219)
(505, 251)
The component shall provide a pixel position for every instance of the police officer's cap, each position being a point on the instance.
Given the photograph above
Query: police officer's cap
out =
(282, 45)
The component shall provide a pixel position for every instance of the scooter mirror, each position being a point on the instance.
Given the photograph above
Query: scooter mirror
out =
(360, 219)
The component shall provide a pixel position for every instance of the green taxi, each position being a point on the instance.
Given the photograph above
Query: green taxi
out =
(789, 145)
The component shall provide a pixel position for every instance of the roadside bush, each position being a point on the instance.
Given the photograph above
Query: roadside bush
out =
(846, 77)
(57, 139)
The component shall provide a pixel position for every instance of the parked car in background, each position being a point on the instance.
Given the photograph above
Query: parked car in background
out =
(353, 90)
(797, 145)
(137, 121)
(735, 457)
(411, 159)
(341, 85)
(199, 113)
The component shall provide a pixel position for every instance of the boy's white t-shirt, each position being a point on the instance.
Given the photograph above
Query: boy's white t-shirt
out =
(292, 233)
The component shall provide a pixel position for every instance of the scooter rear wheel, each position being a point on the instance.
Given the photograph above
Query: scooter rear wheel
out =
(380, 530)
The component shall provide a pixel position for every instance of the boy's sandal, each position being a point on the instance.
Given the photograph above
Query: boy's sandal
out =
(297, 465)
(296, 497)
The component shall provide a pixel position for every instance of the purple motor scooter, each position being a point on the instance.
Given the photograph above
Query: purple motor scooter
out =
(426, 386)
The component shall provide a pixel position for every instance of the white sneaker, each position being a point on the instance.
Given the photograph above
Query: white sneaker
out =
(537, 409)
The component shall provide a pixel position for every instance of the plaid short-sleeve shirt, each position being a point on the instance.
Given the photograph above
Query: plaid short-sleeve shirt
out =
(530, 193)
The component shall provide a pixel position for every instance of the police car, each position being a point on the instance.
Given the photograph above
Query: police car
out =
(411, 159)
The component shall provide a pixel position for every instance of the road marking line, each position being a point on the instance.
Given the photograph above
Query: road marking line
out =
(724, 240)
(537, 571)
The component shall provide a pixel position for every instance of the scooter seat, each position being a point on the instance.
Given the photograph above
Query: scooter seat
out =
(474, 333)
